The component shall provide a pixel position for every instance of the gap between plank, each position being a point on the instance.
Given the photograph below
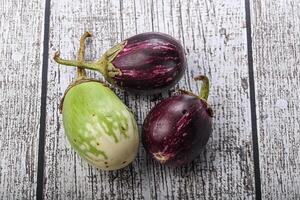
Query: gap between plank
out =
(41, 150)
(252, 103)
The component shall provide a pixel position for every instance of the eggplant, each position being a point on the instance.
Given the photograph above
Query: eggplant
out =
(146, 63)
(176, 130)
(98, 125)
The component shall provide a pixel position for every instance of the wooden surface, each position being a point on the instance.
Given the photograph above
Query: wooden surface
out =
(216, 46)
(20, 89)
(276, 48)
(214, 34)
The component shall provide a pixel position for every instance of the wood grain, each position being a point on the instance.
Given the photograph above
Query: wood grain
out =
(21, 24)
(276, 50)
(214, 36)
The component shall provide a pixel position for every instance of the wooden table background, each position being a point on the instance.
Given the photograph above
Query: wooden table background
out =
(249, 50)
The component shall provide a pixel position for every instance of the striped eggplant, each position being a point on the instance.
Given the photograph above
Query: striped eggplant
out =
(176, 130)
(97, 124)
(145, 63)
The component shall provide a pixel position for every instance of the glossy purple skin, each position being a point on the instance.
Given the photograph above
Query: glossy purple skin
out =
(150, 62)
(176, 130)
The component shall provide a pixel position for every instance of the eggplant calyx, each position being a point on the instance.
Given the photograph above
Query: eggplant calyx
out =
(182, 91)
(103, 65)
(111, 53)
(78, 81)
(107, 58)
(204, 90)
(203, 93)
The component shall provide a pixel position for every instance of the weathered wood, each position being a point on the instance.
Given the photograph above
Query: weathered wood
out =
(276, 50)
(214, 36)
(21, 24)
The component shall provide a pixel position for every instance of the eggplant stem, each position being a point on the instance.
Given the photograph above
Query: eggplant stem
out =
(99, 65)
(80, 55)
(204, 90)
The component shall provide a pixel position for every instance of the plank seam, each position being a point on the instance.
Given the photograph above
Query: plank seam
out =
(42, 129)
(253, 103)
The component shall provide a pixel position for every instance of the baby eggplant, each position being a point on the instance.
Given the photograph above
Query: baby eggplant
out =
(176, 130)
(145, 63)
(97, 124)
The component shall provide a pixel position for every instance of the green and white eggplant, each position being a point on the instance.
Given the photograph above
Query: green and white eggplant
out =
(98, 125)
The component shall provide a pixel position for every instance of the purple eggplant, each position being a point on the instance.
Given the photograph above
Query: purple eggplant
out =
(176, 129)
(145, 63)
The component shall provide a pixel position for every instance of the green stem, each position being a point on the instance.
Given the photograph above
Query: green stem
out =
(80, 56)
(204, 91)
(99, 65)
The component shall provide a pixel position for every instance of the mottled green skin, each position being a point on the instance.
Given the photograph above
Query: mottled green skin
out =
(99, 126)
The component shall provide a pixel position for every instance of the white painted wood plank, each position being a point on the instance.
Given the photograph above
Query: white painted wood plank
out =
(214, 36)
(21, 39)
(276, 50)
